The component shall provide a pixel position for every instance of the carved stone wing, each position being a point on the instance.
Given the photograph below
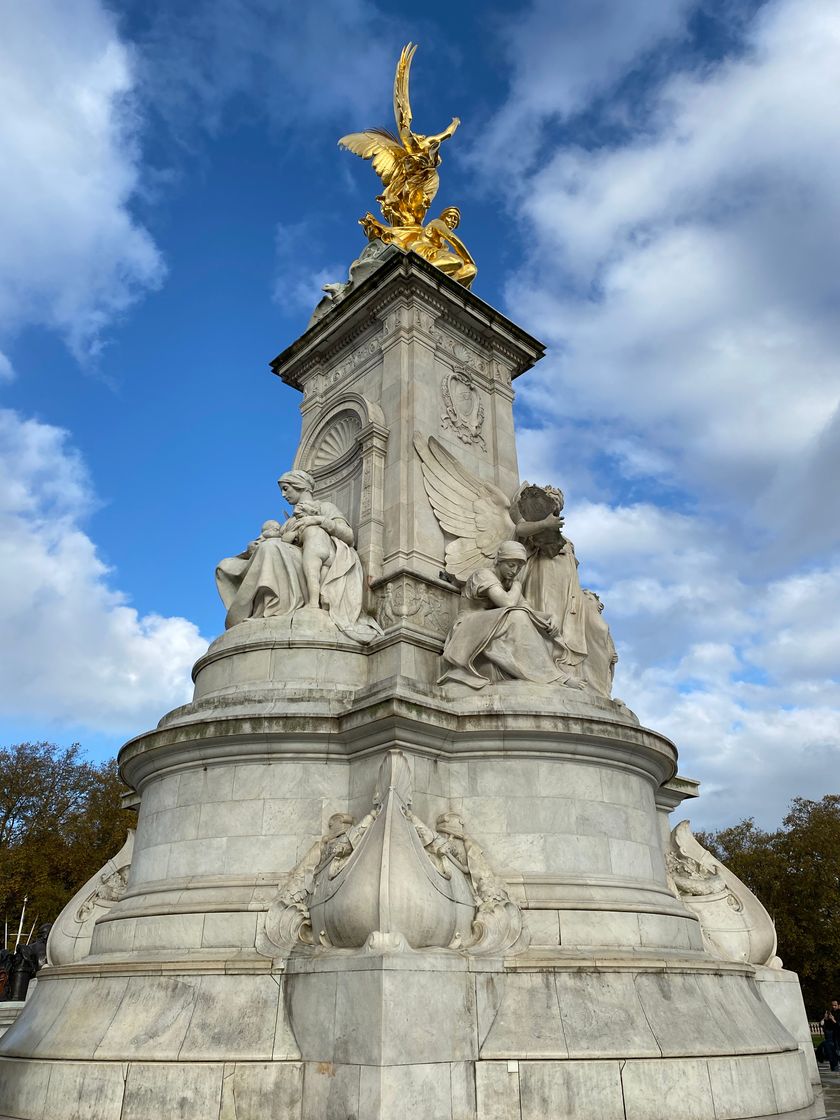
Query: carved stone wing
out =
(474, 512)
(378, 145)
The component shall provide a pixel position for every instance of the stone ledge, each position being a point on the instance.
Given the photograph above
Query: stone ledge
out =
(413, 722)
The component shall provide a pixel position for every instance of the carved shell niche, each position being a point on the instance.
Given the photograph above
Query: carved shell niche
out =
(336, 440)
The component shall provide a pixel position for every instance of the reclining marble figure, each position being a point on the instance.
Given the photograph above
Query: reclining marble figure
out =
(306, 563)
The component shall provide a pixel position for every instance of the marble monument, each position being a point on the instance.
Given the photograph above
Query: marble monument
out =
(403, 853)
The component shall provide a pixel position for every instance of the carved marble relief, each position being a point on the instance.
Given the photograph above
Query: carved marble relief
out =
(390, 883)
(412, 601)
(463, 355)
(735, 925)
(554, 628)
(337, 438)
(307, 563)
(463, 411)
(71, 933)
(367, 350)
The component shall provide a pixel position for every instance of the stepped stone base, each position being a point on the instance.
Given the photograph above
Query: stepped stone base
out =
(615, 1010)
(422, 1036)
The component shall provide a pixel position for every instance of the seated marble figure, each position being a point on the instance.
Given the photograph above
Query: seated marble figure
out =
(478, 517)
(307, 563)
(498, 636)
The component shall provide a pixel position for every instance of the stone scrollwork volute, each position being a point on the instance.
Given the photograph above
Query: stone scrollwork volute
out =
(734, 924)
(463, 410)
(288, 923)
(497, 925)
(71, 933)
(390, 883)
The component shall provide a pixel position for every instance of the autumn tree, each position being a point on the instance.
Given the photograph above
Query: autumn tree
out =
(795, 871)
(60, 820)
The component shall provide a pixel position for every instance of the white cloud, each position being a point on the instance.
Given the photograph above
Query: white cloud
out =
(684, 274)
(688, 275)
(565, 55)
(293, 62)
(76, 651)
(741, 672)
(297, 286)
(72, 257)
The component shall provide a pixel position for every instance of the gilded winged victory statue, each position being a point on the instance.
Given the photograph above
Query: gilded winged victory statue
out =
(407, 164)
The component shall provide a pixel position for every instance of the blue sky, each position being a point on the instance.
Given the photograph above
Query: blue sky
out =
(649, 188)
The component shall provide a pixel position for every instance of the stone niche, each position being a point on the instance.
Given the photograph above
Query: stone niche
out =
(354, 892)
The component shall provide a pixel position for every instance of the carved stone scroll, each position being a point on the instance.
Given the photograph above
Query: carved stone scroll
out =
(71, 934)
(735, 925)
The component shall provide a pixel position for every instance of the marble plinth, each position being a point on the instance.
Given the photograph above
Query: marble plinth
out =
(614, 1005)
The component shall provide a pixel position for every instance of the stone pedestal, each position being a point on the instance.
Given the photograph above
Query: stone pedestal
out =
(601, 999)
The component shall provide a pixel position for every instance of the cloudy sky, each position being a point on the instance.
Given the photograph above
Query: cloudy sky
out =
(649, 188)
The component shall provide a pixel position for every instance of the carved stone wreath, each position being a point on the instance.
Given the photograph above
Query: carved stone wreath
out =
(463, 410)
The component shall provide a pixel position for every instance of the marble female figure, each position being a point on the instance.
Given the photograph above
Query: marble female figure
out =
(550, 579)
(498, 635)
(307, 563)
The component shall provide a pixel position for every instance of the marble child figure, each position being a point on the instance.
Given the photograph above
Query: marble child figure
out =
(307, 563)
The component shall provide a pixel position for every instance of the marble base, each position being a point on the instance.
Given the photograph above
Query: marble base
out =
(615, 1009)
(9, 1011)
(521, 1090)
(419, 1035)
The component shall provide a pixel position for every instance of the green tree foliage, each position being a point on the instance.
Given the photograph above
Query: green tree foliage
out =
(60, 820)
(795, 871)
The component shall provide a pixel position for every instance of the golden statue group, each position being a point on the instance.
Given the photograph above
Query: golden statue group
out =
(407, 165)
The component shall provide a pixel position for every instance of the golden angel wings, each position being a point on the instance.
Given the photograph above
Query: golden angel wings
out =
(407, 164)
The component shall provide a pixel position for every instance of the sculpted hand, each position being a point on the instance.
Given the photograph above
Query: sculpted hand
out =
(553, 522)
(554, 630)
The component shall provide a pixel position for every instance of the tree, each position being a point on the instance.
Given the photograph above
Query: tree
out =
(795, 871)
(60, 819)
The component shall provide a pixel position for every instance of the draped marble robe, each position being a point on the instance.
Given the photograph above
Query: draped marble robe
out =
(489, 643)
(268, 580)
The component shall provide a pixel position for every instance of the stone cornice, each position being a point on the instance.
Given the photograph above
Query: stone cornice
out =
(420, 725)
(406, 276)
